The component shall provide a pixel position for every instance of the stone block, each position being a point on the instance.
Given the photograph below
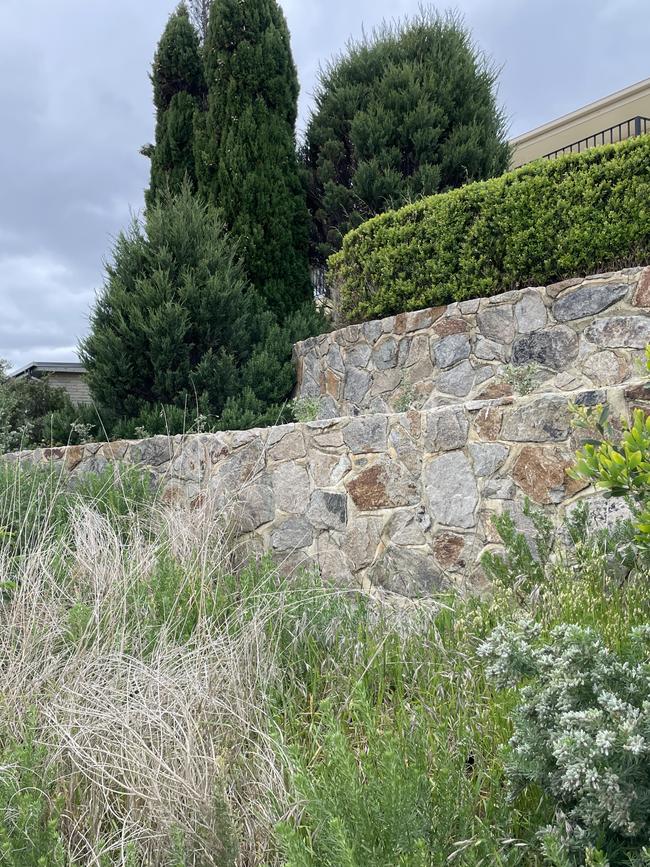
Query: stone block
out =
(450, 490)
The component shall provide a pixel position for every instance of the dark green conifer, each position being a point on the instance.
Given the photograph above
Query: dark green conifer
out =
(407, 112)
(245, 149)
(179, 92)
(178, 326)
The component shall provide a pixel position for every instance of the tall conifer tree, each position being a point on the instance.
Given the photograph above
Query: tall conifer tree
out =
(179, 92)
(246, 152)
(409, 111)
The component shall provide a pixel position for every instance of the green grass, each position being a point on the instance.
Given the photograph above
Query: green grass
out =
(160, 708)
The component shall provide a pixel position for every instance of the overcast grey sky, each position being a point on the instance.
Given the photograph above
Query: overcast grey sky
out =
(75, 105)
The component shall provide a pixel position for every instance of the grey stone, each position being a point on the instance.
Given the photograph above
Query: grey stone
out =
(153, 451)
(554, 348)
(450, 350)
(360, 541)
(385, 354)
(603, 513)
(530, 312)
(587, 300)
(408, 528)
(386, 380)
(487, 457)
(328, 511)
(309, 387)
(372, 330)
(545, 419)
(291, 487)
(366, 434)
(357, 385)
(497, 323)
(291, 534)
(408, 572)
(236, 468)
(445, 429)
(334, 359)
(499, 489)
(286, 443)
(328, 407)
(462, 378)
(469, 307)
(606, 368)
(359, 356)
(490, 350)
(253, 505)
(620, 331)
(450, 490)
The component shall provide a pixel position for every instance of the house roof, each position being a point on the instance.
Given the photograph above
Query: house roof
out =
(49, 367)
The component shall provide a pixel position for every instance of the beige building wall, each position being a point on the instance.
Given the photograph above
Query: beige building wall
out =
(73, 383)
(610, 111)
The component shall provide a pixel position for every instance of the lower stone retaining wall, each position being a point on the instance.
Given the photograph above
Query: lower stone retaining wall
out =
(401, 501)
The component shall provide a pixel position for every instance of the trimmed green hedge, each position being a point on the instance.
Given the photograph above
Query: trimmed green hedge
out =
(549, 220)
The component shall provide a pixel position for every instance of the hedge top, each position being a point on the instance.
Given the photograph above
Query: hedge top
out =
(546, 221)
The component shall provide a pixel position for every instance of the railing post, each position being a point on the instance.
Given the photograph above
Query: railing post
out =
(637, 125)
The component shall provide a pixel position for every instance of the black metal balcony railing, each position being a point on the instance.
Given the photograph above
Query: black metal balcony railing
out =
(619, 132)
(319, 282)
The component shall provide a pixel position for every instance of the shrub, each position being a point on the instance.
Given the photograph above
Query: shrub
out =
(582, 731)
(578, 214)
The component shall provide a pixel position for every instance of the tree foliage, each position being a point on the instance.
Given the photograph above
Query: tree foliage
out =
(179, 327)
(407, 112)
(178, 91)
(245, 148)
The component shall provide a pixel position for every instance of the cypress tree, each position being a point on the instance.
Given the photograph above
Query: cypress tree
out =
(408, 112)
(246, 152)
(178, 92)
(178, 326)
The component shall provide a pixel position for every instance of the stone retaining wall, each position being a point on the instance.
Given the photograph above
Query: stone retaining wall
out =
(577, 334)
(401, 501)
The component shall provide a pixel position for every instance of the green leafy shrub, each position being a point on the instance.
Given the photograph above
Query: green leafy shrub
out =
(29, 814)
(582, 731)
(578, 214)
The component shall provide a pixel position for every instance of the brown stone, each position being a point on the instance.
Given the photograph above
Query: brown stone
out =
(382, 486)
(332, 384)
(638, 392)
(447, 549)
(419, 319)
(114, 451)
(488, 421)
(73, 456)
(540, 471)
(642, 294)
(495, 390)
(445, 327)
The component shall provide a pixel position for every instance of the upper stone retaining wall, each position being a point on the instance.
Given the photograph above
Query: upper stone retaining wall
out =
(402, 501)
(578, 334)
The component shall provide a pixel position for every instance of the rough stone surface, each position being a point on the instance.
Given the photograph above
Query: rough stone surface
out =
(384, 485)
(450, 350)
(530, 312)
(620, 332)
(450, 490)
(446, 429)
(542, 420)
(587, 300)
(554, 348)
(437, 356)
(327, 511)
(409, 572)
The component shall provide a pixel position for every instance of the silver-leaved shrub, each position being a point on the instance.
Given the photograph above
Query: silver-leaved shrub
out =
(581, 732)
